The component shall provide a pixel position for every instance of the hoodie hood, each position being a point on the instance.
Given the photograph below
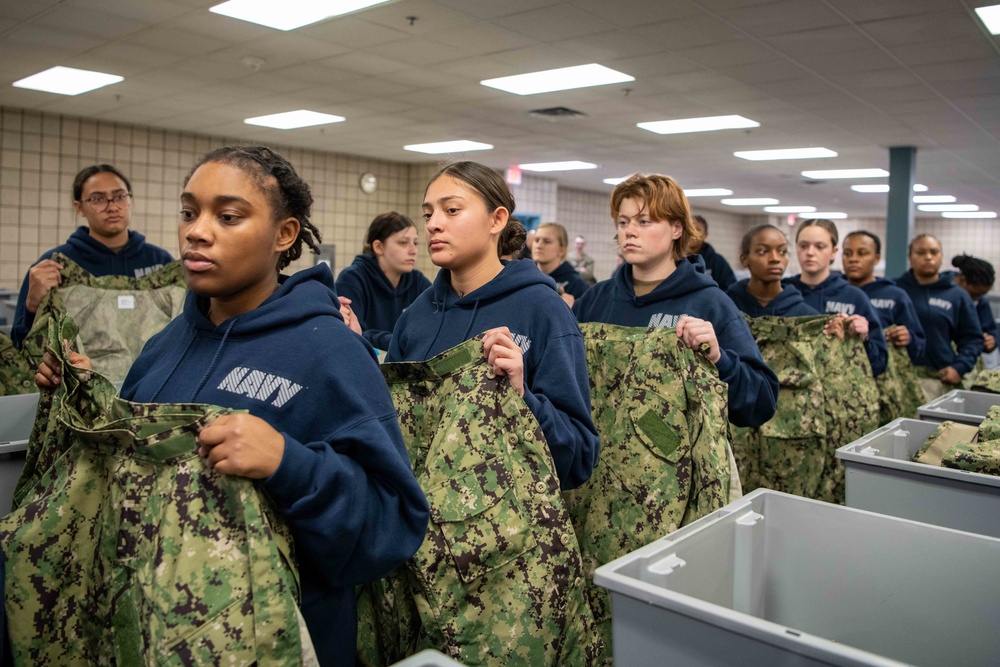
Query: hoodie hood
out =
(909, 281)
(368, 266)
(789, 303)
(515, 276)
(89, 249)
(687, 278)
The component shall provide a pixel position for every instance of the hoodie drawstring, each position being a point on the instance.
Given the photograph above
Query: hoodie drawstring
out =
(468, 329)
(211, 366)
(436, 333)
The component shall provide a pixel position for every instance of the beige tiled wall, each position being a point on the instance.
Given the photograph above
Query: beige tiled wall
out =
(40, 154)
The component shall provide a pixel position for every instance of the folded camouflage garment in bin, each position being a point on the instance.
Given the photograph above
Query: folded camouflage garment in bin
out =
(126, 549)
(499, 579)
(965, 447)
(984, 379)
(662, 414)
(116, 314)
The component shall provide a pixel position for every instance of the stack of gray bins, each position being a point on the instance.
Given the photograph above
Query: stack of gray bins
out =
(775, 579)
(964, 407)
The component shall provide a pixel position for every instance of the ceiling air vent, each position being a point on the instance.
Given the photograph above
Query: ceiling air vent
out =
(557, 113)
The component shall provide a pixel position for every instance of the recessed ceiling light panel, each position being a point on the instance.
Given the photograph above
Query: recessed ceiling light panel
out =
(291, 120)
(289, 14)
(823, 174)
(564, 78)
(933, 199)
(759, 201)
(990, 16)
(938, 208)
(972, 214)
(825, 215)
(568, 165)
(706, 124)
(871, 187)
(67, 81)
(917, 187)
(708, 192)
(457, 146)
(789, 209)
(786, 154)
(615, 181)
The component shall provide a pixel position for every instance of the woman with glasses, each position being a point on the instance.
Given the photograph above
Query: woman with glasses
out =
(105, 247)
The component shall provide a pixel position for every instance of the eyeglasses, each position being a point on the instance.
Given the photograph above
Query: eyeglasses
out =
(100, 203)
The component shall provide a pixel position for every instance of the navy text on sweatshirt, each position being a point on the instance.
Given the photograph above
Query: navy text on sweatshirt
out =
(894, 306)
(837, 295)
(135, 260)
(556, 384)
(787, 304)
(374, 300)
(753, 387)
(344, 484)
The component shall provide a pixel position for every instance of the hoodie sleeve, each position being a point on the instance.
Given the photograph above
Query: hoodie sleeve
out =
(353, 504)
(722, 273)
(906, 314)
(986, 319)
(349, 284)
(753, 386)
(557, 391)
(967, 334)
(875, 346)
(22, 318)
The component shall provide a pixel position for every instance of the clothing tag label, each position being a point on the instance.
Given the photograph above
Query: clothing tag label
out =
(126, 302)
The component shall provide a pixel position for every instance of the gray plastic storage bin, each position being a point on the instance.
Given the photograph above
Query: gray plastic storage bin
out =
(775, 579)
(17, 416)
(428, 658)
(965, 407)
(883, 477)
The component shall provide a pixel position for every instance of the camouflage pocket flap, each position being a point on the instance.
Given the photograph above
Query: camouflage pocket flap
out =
(655, 431)
(470, 493)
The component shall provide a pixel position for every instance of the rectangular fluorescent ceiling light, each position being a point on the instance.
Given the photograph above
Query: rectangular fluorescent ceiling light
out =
(290, 120)
(457, 146)
(708, 192)
(760, 201)
(846, 173)
(564, 78)
(289, 14)
(948, 207)
(826, 215)
(569, 165)
(67, 81)
(933, 199)
(917, 187)
(615, 181)
(990, 16)
(975, 214)
(786, 154)
(789, 209)
(706, 124)
(881, 187)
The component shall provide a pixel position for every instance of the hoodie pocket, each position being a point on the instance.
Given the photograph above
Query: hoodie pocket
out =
(481, 519)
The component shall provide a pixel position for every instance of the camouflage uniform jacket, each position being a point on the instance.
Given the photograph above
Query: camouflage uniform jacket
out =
(17, 375)
(661, 412)
(126, 549)
(116, 314)
(498, 579)
(899, 387)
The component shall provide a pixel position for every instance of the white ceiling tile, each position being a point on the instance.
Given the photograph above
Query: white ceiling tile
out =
(941, 51)
(430, 16)
(739, 52)
(780, 17)
(777, 70)
(490, 9)
(481, 38)
(928, 27)
(365, 62)
(173, 40)
(419, 51)
(553, 23)
(688, 32)
(867, 10)
(608, 46)
(631, 13)
(352, 32)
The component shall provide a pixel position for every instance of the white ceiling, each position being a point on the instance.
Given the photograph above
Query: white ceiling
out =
(855, 76)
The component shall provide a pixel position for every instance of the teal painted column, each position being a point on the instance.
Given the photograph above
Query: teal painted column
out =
(899, 216)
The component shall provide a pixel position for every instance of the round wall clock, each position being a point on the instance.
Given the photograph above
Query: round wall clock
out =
(368, 182)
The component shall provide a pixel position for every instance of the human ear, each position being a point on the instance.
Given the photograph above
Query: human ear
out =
(378, 247)
(499, 218)
(288, 231)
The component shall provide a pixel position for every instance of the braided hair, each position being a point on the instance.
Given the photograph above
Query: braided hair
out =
(290, 198)
(976, 272)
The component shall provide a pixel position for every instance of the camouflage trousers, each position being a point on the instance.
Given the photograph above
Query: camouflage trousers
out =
(128, 550)
(17, 375)
(116, 314)
(498, 579)
(661, 411)
(900, 393)
(788, 453)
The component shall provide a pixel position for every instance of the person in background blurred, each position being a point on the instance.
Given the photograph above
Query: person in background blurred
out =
(977, 277)
(582, 262)
(716, 265)
(549, 249)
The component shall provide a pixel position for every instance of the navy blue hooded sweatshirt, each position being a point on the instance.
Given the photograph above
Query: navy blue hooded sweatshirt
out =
(947, 314)
(717, 267)
(787, 304)
(556, 384)
(374, 300)
(986, 319)
(894, 306)
(344, 483)
(753, 387)
(135, 260)
(568, 280)
(837, 295)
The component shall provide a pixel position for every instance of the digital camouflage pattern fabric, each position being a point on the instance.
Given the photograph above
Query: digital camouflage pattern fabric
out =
(126, 549)
(964, 447)
(987, 380)
(787, 453)
(116, 314)
(662, 414)
(899, 390)
(17, 375)
(499, 578)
